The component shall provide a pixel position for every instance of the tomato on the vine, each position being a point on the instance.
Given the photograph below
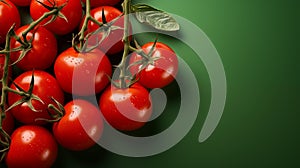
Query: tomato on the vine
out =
(160, 71)
(31, 147)
(9, 15)
(80, 127)
(126, 109)
(72, 12)
(83, 73)
(112, 43)
(96, 3)
(21, 2)
(45, 87)
(42, 51)
(8, 123)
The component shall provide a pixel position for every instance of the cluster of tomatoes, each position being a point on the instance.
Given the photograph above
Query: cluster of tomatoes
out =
(39, 98)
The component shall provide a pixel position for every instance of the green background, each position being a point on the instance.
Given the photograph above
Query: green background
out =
(258, 42)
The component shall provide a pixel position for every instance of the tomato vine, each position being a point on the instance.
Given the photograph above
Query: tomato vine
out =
(124, 80)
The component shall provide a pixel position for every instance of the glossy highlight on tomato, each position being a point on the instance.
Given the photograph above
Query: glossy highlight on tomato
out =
(161, 71)
(82, 74)
(80, 127)
(126, 109)
(31, 147)
(45, 87)
(111, 44)
(9, 15)
(60, 26)
(43, 49)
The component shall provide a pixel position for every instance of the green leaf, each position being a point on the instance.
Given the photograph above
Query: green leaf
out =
(156, 18)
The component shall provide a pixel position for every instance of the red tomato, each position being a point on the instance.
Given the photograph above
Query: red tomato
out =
(45, 87)
(9, 15)
(80, 127)
(8, 123)
(96, 3)
(113, 43)
(82, 73)
(72, 11)
(43, 49)
(159, 73)
(21, 2)
(126, 109)
(31, 147)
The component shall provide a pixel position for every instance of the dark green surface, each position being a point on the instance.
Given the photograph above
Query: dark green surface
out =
(258, 43)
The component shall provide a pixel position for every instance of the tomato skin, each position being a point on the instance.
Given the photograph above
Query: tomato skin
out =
(9, 15)
(113, 43)
(45, 87)
(8, 123)
(162, 72)
(96, 3)
(31, 147)
(80, 115)
(43, 51)
(21, 2)
(72, 11)
(82, 73)
(126, 109)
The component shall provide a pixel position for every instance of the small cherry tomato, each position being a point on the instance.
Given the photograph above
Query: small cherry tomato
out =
(82, 73)
(111, 44)
(8, 123)
(60, 26)
(126, 109)
(80, 127)
(43, 49)
(45, 87)
(160, 71)
(9, 15)
(31, 147)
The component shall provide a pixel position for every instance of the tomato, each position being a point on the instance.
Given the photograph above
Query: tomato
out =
(43, 49)
(72, 11)
(9, 15)
(82, 73)
(126, 109)
(21, 2)
(80, 127)
(31, 147)
(112, 44)
(8, 123)
(45, 87)
(161, 71)
(96, 3)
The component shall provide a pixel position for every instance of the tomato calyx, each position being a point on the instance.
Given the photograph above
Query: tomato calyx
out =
(53, 7)
(27, 96)
(80, 41)
(147, 58)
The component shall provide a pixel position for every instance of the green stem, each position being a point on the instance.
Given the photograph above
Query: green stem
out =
(84, 27)
(126, 41)
(6, 138)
